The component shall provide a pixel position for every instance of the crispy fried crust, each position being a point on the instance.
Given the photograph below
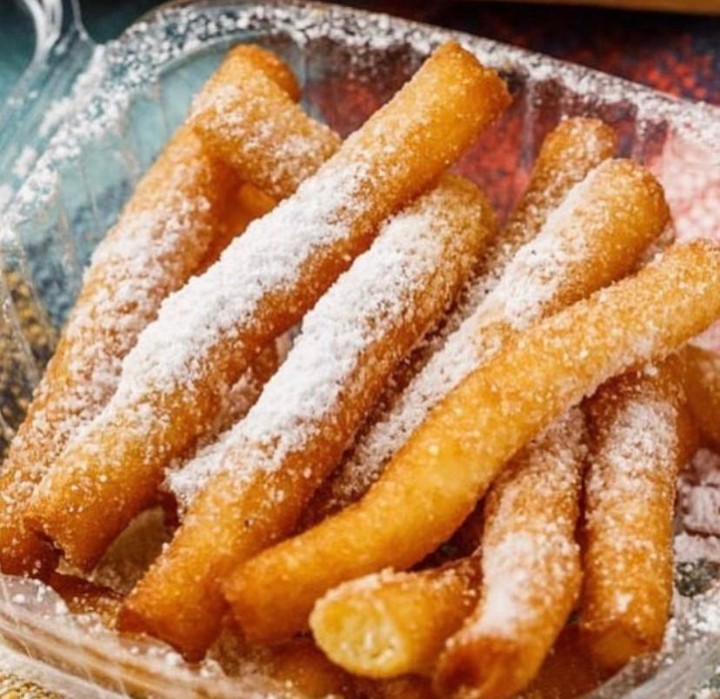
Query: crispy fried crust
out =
(235, 517)
(237, 130)
(530, 569)
(436, 479)
(110, 474)
(702, 387)
(640, 440)
(183, 212)
(568, 154)
(389, 624)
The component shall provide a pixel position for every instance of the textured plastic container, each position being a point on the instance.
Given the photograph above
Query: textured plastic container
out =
(85, 121)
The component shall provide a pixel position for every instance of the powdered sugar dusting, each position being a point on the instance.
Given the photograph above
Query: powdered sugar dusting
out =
(132, 269)
(185, 482)
(529, 284)
(642, 439)
(530, 560)
(377, 294)
(539, 269)
(267, 258)
(224, 116)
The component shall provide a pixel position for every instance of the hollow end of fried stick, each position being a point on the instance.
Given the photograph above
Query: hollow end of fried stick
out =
(530, 566)
(392, 624)
(497, 669)
(452, 458)
(180, 216)
(371, 318)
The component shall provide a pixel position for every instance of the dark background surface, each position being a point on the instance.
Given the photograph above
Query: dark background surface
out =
(676, 53)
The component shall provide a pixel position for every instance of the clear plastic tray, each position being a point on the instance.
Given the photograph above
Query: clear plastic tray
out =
(86, 120)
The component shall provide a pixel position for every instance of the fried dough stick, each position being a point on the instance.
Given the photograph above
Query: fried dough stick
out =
(179, 214)
(395, 623)
(183, 481)
(209, 332)
(594, 237)
(530, 569)
(302, 665)
(392, 623)
(83, 597)
(567, 155)
(641, 438)
(271, 463)
(702, 387)
(433, 483)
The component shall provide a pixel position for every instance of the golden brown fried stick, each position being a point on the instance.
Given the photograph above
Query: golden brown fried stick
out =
(435, 480)
(530, 569)
(641, 438)
(301, 664)
(568, 154)
(270, 463)
(702, 387)
(595, 236)
(397, 623)
(389, 624)
(209, 332)
(409, 687)
(182, 482)
(178, 215)
(251, 203)
(221, 115)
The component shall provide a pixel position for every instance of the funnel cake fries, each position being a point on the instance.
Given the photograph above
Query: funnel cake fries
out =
(641, 438)
(389, 624)
(702, 387)
(567, 155)
(435, 480)
(178, 216)
(395, 623)
(221, 116)
(530, 569)
(270, 464)
(181, 482)
(208, 333)
(595, 236)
